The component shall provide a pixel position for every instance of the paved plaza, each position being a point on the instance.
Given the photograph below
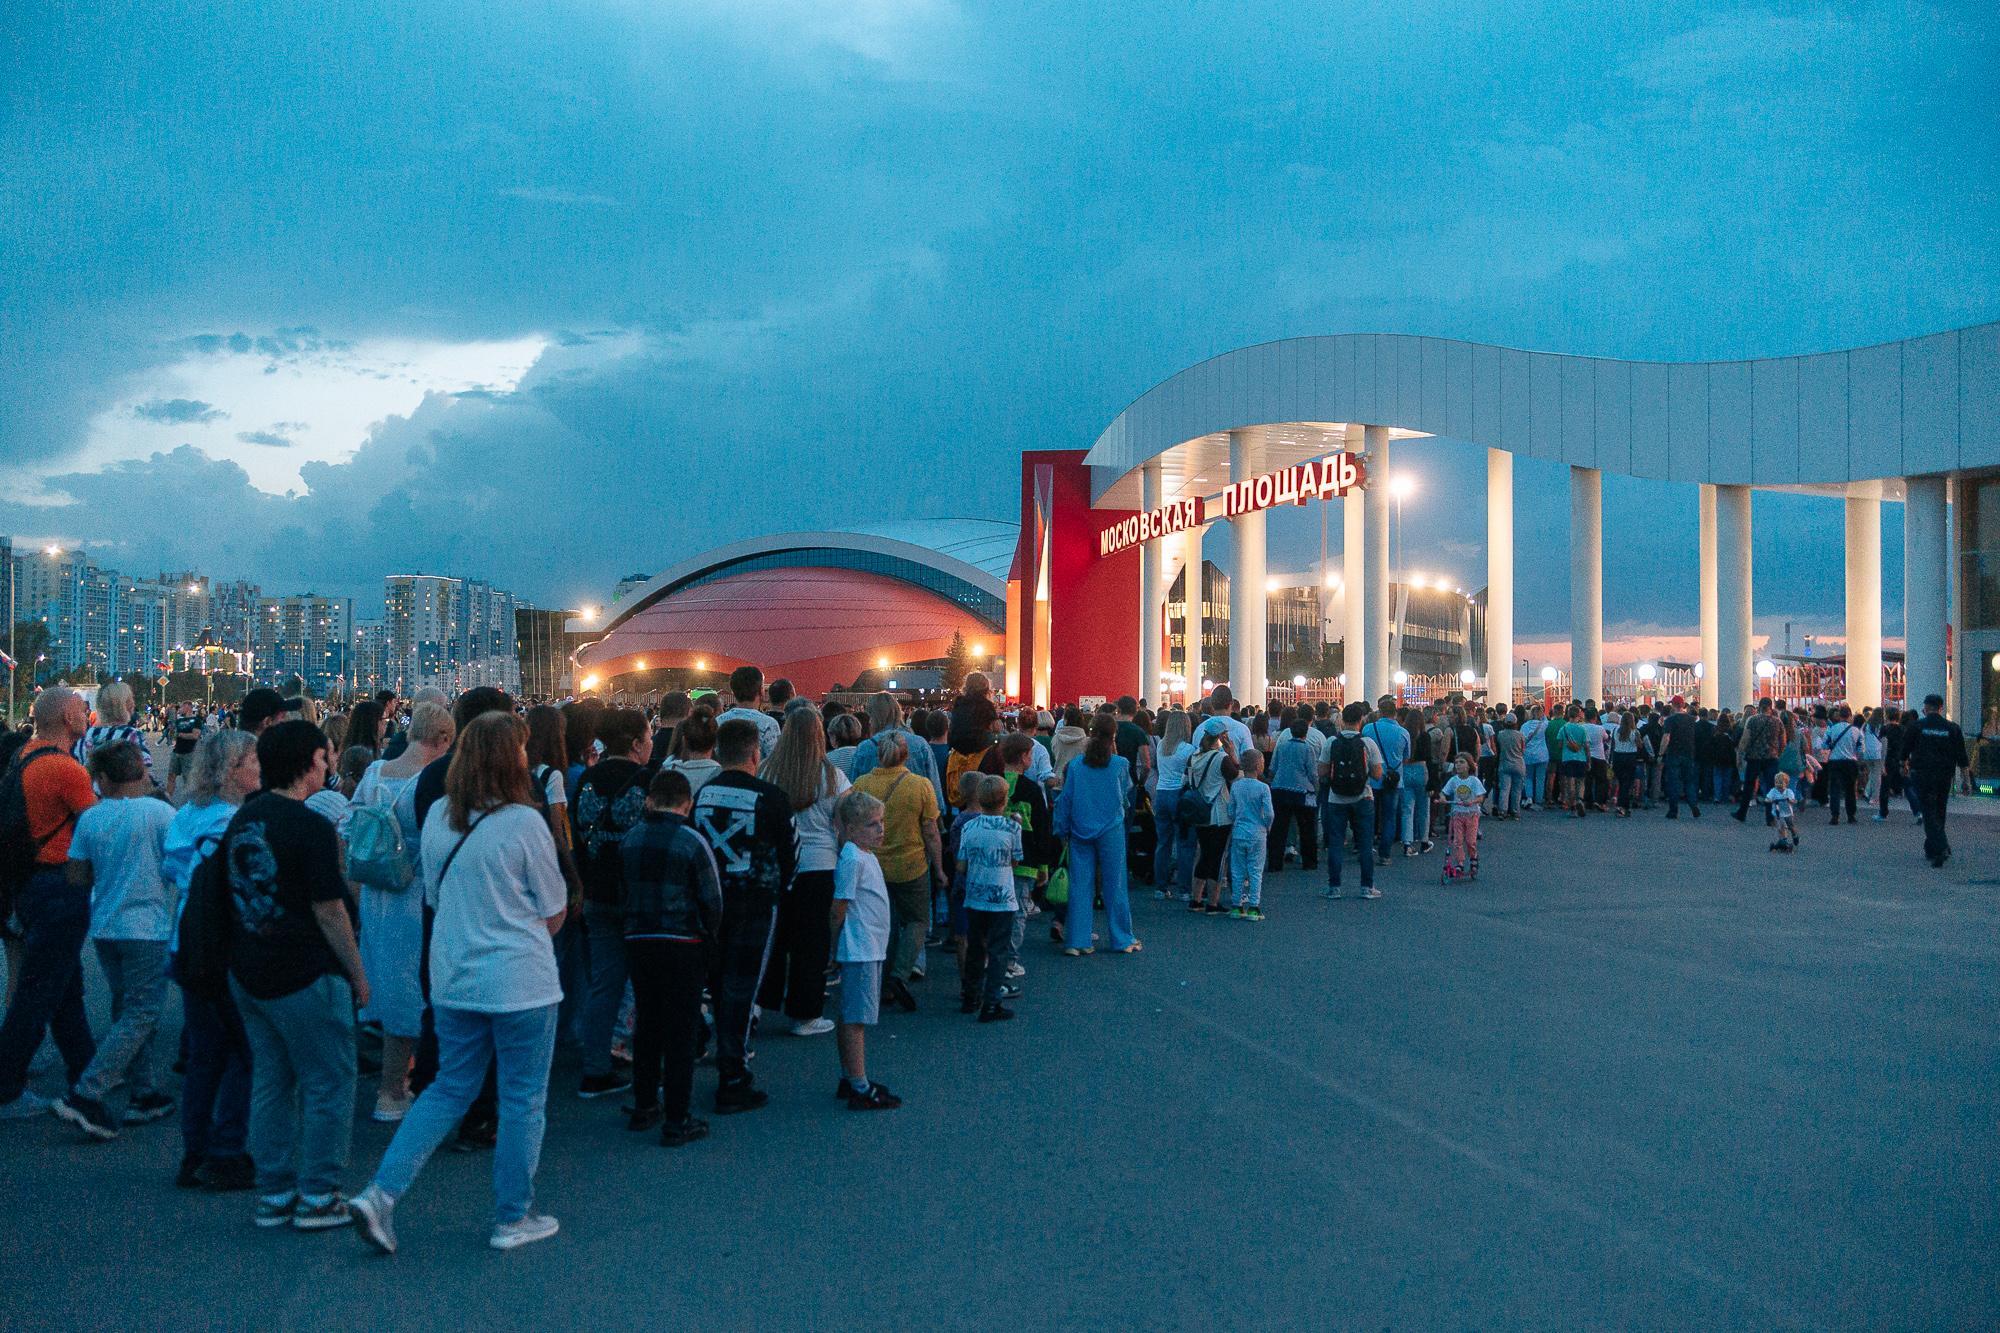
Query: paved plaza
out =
(1641, 1074)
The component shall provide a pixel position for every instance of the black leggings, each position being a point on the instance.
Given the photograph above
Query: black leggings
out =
(1625, 770)
(795, 978)
(667, 977)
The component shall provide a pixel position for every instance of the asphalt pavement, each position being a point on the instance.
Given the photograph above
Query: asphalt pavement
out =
(1641, 1074)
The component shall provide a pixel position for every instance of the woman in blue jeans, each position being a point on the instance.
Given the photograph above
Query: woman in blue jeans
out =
(490, 865)
(1090, 813)
(1173, 860)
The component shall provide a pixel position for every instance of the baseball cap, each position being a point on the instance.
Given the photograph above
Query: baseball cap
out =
(262, 704)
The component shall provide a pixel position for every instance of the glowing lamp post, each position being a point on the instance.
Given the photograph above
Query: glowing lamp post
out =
(1548, 689)
(1767, 670)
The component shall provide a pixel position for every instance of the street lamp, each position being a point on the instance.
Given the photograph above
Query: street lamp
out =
(1401, 487)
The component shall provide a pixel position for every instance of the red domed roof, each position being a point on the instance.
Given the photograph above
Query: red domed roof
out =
(818, 627)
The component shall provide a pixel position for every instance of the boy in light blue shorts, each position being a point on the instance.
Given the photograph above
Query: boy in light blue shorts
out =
(1248, 837)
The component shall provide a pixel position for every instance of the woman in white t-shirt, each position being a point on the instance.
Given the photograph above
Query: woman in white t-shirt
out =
(392, 920)
(795, 976)
(490, 865)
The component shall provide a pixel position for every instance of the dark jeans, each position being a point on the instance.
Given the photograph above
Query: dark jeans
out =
(1933, 793)
(1757, 775)
(54, 920)
(1337, 820)
(1678, 778)
(1292, 810)
(215, 1095)
(424, 1064)
(667, 977)
(1597, 787)
(1384, 801)
(989, 948)
(749, 920)
(604, 929)
(1841, 775)
(795, 978)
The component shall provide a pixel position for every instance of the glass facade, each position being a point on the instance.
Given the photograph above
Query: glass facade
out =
(989, 608)
(1978, 503)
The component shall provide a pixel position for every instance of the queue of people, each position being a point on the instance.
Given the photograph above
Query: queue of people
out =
(473, 885)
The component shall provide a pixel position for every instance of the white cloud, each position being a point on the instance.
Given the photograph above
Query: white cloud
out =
(321, 396)
(544, 194)
(900, 38)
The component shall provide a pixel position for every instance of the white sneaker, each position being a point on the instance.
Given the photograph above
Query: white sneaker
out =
(813, 1027)
(513, 1235)
(390, 1110)
(1015, 971)
(375, 1217)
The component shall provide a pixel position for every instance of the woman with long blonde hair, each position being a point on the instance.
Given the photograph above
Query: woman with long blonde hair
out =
(795, 978)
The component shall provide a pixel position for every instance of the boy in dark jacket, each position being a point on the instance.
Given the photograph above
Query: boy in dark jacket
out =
(673, 915)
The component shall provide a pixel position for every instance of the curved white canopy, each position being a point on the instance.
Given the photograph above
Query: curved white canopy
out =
(1868, 415)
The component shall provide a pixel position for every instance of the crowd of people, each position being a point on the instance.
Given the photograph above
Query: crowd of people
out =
(445, 892)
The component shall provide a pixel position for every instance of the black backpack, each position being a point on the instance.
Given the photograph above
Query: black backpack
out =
(201, 964)
(1347, 766)
(18, 845)
(1196, 809)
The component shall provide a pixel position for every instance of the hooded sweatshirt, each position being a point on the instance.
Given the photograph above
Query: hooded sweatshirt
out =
(1068, 744)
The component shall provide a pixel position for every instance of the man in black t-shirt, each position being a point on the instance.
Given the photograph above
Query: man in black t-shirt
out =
(295, 973)
(1935, 751)
(1678, 749)
(748, 824)
(185, 728)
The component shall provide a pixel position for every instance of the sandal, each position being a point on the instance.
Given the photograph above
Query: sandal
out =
(1133, 947)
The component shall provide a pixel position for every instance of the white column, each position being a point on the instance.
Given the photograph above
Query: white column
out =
(1192, 627)
(1247, 609)
(1709, 694)
(1152, 591)
(1375, 568)
(1735, 684)
(1499, 577)
(1925, 580)
(1354, 581)
(1864, 601)
(1586, 583)
(1354, 589)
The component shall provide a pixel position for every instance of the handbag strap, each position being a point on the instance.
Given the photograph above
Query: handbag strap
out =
(452, 855)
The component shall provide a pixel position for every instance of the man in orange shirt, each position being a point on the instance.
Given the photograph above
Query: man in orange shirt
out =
(54, 914)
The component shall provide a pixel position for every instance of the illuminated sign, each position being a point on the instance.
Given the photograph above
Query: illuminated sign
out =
(1325, 479)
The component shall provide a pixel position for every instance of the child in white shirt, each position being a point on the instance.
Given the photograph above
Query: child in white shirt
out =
(1465, 792)
(1783, 804)
(860, 927)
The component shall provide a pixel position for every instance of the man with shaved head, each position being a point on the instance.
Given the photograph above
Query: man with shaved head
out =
(51, 789)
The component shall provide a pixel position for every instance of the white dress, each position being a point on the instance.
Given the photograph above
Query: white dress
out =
(392, 924)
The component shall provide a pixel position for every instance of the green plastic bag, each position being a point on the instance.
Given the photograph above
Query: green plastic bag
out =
(1057, 890)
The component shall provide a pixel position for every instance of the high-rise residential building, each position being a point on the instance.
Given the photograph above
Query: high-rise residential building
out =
(308, 636)
(233, 614)
(488, 648)
(545, 647)
(369, 657)
(452, 633)
(422, 617)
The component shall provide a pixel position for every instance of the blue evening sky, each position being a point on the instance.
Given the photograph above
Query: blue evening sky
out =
(554, 292)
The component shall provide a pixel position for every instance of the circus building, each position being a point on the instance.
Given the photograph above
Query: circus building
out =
(821, 609)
